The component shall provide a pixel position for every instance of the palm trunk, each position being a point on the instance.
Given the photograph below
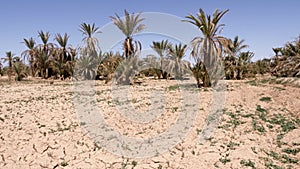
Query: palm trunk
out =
(161, 70)
(206, 80)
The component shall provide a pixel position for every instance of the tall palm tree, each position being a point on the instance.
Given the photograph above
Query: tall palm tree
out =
(208, 48)
(43, 62)
(175, 64)
(161, 48)
(130, 26)
(63, 54)
(30, 53)
(87, 64)
(90, 42)
(9, 58)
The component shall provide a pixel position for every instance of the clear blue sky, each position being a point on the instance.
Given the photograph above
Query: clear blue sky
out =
(262, 23)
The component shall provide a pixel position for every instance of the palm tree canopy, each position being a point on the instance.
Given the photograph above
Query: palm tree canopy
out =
(177, 52)
(91, 43)
(30, 44)
(131, 25)
(236, 46)
(62, 40)
(9, 58)
(88, 29)
(44, 36)
(175, 64)
(211, 44)
(160, 47)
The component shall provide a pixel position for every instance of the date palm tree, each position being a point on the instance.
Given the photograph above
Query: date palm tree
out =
(44, 36)
(244, 59)
(88, 61)
(19, 68)
(130, 26)
(208, 49)
(174, 64)
(9, 59)
(91, 43)
(63, 54)
(43, 62)
(234, 49)
(44, 52)
(30, 53)
(161, 48)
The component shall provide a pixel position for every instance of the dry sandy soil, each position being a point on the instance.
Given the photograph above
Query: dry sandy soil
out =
(258, 127)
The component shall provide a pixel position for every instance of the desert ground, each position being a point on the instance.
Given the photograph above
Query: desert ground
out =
(258, 127)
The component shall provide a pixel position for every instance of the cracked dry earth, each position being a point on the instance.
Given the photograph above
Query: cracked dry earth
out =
(259, 126)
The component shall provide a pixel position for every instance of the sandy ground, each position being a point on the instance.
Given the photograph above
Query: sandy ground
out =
(259, 125)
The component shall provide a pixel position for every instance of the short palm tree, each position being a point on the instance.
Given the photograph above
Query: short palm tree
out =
(244, 59)
(108, 65)
(30, 54)
(91, 43)
(130, 26)
(9, 58)
(174, 64)
(209, 48)
(234, 49)
(161, 48)
(19, 69)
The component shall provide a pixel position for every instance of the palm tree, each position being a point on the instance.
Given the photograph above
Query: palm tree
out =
(45, 52)
(234, 49)
(244, 59)
(19, 68)
(208, 48)
(236, 46)
(87, 64)
(9, 58)
(90, 42)
(175, 64)
(108, 65)
(161, 48)
(130, 26)
(63, 57)
(43, 62)
(46, 47)
(30, 53)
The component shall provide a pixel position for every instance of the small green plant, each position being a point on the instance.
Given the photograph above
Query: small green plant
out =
(260, 109)
(224, 160)
(252, 83)
(291, 151)
(64, 164)
(279, 88)
(173, 87)
(133, 163)
(198, 131)
(264, 81)
(265, 99)
(247, 163)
